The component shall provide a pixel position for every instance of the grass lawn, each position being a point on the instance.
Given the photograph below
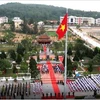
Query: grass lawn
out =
(6, 47)
(8, 74)
(51, 33)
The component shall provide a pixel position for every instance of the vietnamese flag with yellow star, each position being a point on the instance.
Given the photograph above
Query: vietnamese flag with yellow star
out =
(62, 27)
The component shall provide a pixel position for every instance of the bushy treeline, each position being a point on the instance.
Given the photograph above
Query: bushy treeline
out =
(41, 12)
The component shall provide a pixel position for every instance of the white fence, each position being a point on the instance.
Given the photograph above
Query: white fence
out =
(18, 78)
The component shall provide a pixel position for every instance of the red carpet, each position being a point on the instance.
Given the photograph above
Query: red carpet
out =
(44, 48)
(53, 79)
(55, 86)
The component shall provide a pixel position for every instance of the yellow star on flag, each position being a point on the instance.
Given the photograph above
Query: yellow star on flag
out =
(62, 27)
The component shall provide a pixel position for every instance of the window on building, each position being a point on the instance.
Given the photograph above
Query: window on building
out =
(71, 19)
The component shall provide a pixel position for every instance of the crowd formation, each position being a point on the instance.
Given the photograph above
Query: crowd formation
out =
(44, 68)
(20, 90)
(56, 68)
(84, 84)
(37, 87)
(15, 90)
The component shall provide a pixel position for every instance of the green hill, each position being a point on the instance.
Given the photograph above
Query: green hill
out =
(40, 12)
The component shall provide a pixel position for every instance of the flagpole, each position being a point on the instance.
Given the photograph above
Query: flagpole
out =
(65, 76)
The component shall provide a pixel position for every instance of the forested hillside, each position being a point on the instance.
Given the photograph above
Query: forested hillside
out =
(40, 12)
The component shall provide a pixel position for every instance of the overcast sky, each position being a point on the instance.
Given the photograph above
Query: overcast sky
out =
(86, 5)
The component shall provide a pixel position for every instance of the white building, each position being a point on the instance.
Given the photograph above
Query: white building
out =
(72, 20)
(98, 21)
(91, 21)
(40, 24)
(17, 22)
(3, 19)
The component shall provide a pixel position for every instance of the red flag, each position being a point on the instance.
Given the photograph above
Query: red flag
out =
(62, 27)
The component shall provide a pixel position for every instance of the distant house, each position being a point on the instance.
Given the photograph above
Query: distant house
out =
(52, 21)
(98, 21)
(17, 23)
(40, 23)
(3, 19)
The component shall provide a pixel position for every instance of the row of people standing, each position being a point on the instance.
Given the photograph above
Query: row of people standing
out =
(57, 69)
(13, 91)
(44, 69)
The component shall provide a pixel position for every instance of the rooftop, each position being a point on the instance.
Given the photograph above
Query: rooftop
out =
(43, 39)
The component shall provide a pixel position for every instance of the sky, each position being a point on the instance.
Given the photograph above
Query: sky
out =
(86, 5)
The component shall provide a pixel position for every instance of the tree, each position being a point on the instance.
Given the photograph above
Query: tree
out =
(12, 26)
(27, 45)
(12, 54)
(75, 65)
(90, 53)
(38, 58)
(80, 41)
(69, 66)
(69, 61)
(24, 25)
(3, 55)
(24, 67)
(18, 59)
(31, 21)
(57, 58)
(33, 68)
(56, 45)
(69, 51)
(35, 31)
(20, 49)
(79, 45)
(96, 51)
(69, 70)
(41, 12)
(8, 36)
(96, 59)
(90, 67)
(76, 58)
(4, 64)
(15, 69)
(24, 43)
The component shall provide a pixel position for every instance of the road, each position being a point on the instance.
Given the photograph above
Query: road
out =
(84, 36)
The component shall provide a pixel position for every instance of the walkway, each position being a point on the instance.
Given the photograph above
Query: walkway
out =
(53, 78)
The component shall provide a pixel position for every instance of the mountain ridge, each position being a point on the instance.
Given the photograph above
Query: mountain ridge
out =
(41, 12)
